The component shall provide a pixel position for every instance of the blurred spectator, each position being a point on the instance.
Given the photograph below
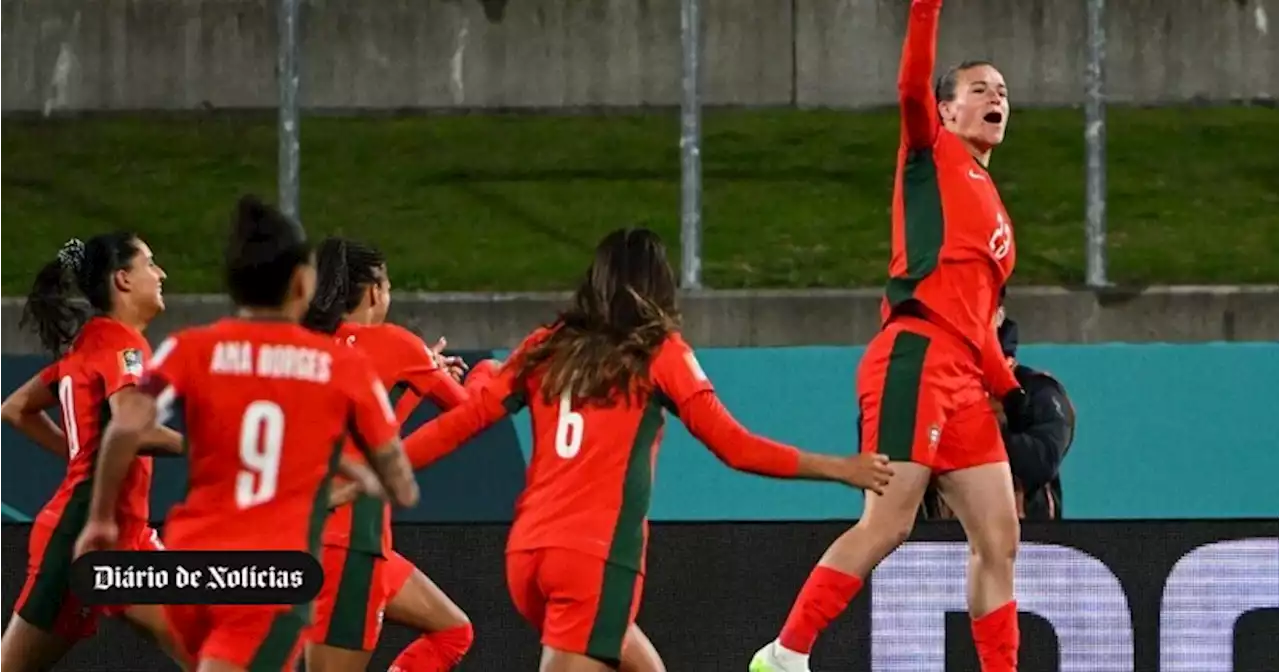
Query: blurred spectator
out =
(1036, 442)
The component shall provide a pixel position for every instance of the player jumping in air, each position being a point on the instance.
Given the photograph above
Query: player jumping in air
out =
(363, 573)
(267, 405)
(921, 382)
(122, 283)
(597, 382)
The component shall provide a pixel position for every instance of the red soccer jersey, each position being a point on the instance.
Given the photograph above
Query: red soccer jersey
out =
(408, 371)
(953, 243)
(106, 356)
(267, 407)
(589, 480)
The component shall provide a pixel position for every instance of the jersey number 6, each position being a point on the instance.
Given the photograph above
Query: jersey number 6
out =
(569, 428)
(261, 438)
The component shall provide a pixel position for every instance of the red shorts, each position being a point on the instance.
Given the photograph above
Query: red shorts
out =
(257, 638)
(922, 399)
(577, 602)
(46, 600)
(357, 588)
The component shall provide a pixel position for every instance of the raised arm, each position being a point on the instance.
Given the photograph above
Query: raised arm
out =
(24, 410)
(915, 79)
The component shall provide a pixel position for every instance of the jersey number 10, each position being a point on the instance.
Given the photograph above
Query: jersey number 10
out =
(261, 440)
(569, 428)
(66, 399)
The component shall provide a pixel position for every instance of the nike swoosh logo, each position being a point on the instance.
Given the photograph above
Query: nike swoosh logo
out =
(976, 175)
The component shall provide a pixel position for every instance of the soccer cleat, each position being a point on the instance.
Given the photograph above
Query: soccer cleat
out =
(773, 658)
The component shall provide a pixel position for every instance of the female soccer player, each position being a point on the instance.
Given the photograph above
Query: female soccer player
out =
(353, 294)
(597, 381)
(121, 281)
(266, 404)
(923, 382)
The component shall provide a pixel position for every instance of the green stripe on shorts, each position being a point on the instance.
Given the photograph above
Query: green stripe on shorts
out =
(281, 639)
(347, 624)
(900, 398)
(613, 615)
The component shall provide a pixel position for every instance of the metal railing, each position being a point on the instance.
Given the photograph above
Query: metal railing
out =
(1095, 133)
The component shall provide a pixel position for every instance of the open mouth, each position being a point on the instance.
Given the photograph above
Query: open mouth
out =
(993, 117)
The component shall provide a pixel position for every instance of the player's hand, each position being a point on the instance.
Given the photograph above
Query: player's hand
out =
(97, 535)
(997, 407)
(869, 471)
(343, 493)
(454, 365)
(361, 480)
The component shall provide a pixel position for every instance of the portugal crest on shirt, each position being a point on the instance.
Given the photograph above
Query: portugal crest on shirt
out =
(131, 362)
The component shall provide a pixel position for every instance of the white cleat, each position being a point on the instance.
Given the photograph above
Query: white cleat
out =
(775, 657)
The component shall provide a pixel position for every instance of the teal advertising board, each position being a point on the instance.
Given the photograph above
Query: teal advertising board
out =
(1164, 432)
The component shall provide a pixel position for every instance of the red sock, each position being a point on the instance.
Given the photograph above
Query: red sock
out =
(435, 651)
(824, 596)
(995, 636)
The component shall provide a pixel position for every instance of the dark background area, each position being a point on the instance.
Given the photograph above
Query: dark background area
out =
(717, 591)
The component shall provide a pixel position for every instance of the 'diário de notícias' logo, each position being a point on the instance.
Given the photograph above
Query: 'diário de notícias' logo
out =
(196, 577)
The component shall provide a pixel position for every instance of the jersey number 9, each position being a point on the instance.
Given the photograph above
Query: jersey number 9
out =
(569, 428)
(261, 439)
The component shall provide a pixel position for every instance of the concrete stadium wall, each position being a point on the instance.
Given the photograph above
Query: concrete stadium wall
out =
(397, 54)
(730, 319)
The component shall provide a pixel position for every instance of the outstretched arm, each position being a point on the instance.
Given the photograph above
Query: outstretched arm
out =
(445, 434)
(915, 79)
(711, 423)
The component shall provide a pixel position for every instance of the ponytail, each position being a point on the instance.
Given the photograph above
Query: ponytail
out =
(344, 270)
(49, 310)
(329, 303)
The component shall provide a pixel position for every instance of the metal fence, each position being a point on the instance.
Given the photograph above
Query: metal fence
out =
(691, 29)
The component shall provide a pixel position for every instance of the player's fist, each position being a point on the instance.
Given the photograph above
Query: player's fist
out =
(482, 372)
(97, 535)
(869, 471)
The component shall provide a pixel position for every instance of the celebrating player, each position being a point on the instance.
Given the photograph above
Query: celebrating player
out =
(363, 574)
(921, 382)
(118, 276)
(267, 405)
(596, 382)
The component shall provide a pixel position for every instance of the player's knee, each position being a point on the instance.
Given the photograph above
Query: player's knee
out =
(888, 533)
(463, 636)
(997, 543)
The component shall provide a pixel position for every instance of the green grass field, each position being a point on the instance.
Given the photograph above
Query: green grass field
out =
(793, 198)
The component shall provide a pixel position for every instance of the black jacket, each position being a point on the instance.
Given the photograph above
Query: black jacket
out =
(1036, 443)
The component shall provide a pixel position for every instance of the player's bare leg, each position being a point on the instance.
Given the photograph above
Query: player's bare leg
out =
(214, 665)
(26, 648)
(982, 498)
(148, 621)
(884, 525)
(639, 654)
(421, 605)
(325, 658)
(555, 660)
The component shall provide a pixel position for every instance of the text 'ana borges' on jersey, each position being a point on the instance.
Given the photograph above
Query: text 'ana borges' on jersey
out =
(271, 361)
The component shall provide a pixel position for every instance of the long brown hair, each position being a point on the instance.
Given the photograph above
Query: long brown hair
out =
(621, 313)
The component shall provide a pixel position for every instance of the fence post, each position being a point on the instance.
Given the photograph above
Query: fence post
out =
(1095, 143)
(287, 126)
(691, 146)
